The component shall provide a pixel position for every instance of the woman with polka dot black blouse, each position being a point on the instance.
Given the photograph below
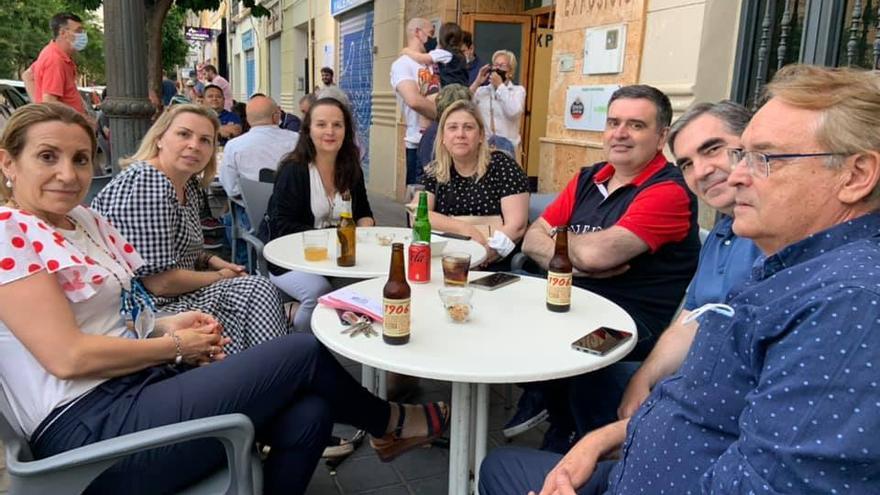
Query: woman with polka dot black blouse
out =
(466, 179)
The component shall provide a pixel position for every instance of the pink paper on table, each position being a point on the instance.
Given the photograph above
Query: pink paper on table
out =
(347, 299)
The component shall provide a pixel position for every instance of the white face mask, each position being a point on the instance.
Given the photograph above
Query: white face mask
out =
(80, 40)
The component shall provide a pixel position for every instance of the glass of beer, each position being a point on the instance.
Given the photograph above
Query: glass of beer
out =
(455, 269)
(315, 245)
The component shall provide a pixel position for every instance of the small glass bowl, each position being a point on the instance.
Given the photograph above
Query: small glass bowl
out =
(457, 303)
(385, 239)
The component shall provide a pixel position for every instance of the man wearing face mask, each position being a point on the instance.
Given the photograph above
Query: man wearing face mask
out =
(412, 81)
(53, 76)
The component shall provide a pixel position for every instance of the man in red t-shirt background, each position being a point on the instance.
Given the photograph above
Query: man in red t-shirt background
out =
(53, 76)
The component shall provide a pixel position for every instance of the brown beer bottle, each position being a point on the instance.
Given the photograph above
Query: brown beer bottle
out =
(559, 274)
(396, 301)
(346, 235)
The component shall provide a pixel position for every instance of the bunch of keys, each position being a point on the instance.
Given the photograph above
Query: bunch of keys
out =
(358, 325)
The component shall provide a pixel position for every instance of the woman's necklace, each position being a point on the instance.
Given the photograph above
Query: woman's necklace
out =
(135, 301)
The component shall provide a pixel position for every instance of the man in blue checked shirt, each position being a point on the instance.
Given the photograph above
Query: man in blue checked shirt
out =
(778, 391)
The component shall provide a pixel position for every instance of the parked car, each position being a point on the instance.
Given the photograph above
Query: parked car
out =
(14, 95)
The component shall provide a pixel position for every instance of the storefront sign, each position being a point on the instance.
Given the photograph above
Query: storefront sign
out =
(586, 107)
(339, 6)
(576, 8)
(192, 33)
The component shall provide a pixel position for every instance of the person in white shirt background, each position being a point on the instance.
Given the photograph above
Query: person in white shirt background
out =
(263, 146)
(407, 80)
(501, 102)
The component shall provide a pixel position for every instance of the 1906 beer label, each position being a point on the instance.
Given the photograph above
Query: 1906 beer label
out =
(559, 288)
(396, 317)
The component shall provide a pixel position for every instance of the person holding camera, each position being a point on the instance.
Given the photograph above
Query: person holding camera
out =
(501, 102)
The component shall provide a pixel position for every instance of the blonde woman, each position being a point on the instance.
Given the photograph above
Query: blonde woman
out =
(473, 191)
(155, 204)
(75, 375)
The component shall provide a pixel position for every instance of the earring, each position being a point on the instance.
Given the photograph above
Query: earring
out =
(159, 146)
(9, 183)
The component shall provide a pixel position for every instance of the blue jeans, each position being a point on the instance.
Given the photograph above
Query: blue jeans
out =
(291, 388)
(413, 174)
(516, 470)
(241, 247)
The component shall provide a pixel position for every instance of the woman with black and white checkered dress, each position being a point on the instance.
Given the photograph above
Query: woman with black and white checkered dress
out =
(155, 204)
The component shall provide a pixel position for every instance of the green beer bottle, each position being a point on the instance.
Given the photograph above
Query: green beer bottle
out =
(421, 225)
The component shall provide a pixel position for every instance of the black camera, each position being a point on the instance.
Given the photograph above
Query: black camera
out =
(501, 73)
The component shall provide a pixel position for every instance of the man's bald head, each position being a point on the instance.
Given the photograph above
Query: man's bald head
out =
(416, 23)
(261, 110)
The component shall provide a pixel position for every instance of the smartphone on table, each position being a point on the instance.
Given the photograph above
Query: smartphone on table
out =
(494, 281)
(601, 341)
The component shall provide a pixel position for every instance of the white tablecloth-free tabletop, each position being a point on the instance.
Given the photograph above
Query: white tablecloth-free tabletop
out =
(510, 338)
(373, 260)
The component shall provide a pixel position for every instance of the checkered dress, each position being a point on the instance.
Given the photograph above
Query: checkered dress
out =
(141, 203)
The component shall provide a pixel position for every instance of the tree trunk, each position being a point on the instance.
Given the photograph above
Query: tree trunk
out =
(155, 19)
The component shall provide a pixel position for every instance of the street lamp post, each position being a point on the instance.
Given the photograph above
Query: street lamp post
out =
(127, 104)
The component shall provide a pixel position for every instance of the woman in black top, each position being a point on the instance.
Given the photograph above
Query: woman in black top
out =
(308, 194)
(473, 191)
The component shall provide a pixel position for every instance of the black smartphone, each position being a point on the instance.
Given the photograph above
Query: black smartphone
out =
(452, 235)
(494, 281)
(601, 341)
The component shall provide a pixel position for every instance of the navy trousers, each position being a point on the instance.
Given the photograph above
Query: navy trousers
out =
(517, 470)
(291, 388)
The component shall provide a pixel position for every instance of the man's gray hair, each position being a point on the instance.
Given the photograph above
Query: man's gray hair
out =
(734, 116)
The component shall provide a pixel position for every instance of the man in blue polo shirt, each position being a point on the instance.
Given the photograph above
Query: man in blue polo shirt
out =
(230, 123)
(778, 390)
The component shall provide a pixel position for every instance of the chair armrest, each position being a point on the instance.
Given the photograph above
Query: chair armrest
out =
(255, 242)
(77, 468)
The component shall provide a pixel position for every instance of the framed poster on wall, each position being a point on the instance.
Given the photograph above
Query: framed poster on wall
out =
(586, 107)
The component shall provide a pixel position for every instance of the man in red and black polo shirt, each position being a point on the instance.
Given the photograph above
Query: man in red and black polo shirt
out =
(633, 232)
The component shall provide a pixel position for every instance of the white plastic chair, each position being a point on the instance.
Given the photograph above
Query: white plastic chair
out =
(256, 196)
(72, 471)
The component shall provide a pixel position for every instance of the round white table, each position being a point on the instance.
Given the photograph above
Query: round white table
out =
(373, 259)
(511, 337)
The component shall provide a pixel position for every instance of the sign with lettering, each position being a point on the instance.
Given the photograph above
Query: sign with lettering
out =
(193, 33)
(571, 8)
(339, 6)
(586, 107)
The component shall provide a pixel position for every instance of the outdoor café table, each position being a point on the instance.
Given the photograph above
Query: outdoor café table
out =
(510, 338)
(373, 259)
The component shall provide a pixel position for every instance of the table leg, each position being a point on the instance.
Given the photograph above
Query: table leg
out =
(459, 441)
(368, 378)
(481, 432)
(382, 384)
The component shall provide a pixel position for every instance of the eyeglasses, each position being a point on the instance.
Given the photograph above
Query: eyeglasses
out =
(758, 163)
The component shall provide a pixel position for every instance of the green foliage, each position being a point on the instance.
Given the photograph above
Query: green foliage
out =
(174, 46)
(90, 61)
(24, 31)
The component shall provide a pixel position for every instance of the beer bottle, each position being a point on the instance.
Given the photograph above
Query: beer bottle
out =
(421, 230)
(346, 235)
(396, 301)
(559, 274)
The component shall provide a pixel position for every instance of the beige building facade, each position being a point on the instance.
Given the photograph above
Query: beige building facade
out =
(686, 48)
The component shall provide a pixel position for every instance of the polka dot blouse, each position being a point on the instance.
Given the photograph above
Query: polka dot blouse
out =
(467, 196)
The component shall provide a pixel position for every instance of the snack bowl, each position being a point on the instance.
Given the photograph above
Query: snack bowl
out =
(457, 303)
(385, 239)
